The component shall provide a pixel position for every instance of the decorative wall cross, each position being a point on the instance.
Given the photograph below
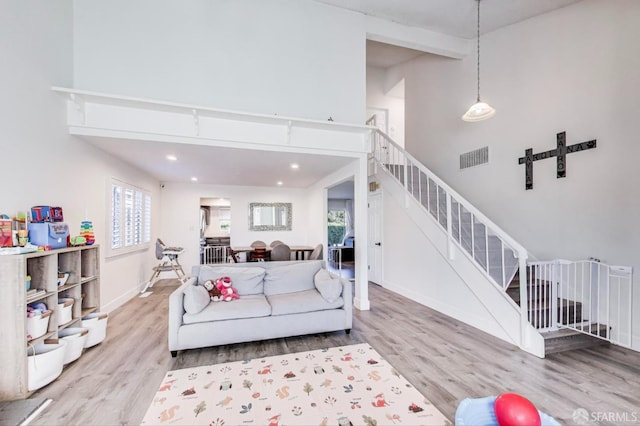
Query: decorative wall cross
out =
(560, 153)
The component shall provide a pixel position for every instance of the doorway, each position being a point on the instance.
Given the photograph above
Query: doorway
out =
(215, 230)
(340, 223)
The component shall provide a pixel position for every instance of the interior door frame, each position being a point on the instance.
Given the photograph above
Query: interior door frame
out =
(375, 227)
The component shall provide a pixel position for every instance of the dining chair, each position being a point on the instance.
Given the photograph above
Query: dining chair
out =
(258, 243)
(258, 254)
(280, 252)
(275, 243)
(316, 253)
(232, 255)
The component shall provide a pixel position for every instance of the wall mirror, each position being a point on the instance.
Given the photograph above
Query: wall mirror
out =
(270, 216)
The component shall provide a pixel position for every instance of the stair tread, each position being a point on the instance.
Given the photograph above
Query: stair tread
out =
(568, 332)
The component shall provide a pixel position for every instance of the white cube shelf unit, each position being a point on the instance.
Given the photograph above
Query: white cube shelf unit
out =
(83, 285)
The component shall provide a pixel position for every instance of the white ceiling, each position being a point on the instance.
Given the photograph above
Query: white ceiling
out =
(225, 166)
(220, 166)
(452, 17)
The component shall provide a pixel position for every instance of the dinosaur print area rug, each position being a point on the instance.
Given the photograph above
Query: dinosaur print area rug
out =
(347, 385)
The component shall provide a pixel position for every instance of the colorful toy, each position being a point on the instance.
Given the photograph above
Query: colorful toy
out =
(86, 231)
(78, 240)
(515, 410)
(229, 293)
(484, 411)
(214, 293)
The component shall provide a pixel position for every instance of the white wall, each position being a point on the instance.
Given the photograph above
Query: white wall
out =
(573, 70)
(286, 57)
(181, 216)
(378, 96)
(42, 164)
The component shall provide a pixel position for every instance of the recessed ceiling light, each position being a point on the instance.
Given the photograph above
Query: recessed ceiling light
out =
(194, 179)
(172, 157)
(295, 166)
(279, 183)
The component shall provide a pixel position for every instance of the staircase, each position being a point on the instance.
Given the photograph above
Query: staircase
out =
(564, 305)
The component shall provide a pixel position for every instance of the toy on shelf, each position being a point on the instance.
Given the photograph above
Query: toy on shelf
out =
(6, 231)
(86, 231)
(77, 241)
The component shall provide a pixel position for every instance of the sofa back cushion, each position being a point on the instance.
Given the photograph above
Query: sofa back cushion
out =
(291, 278)
(247, 280)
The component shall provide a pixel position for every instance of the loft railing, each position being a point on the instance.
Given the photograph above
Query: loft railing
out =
(586, 296)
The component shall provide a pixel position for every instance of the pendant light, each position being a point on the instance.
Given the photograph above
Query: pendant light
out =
(480, 110)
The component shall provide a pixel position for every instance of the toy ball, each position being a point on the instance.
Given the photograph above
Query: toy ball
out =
(512, 409)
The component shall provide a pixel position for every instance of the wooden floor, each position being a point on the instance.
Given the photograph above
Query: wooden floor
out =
(114, 382)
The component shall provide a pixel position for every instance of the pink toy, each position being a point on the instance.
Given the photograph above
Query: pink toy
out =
(228, 292)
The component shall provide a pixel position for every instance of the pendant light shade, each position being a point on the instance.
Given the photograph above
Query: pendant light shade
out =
(480, 110)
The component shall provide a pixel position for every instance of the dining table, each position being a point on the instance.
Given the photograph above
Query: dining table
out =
(300, 251)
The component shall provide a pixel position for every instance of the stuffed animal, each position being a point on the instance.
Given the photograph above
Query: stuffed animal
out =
(214, 293)
(229, 293)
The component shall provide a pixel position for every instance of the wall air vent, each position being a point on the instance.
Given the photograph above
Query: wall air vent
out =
(474, 158)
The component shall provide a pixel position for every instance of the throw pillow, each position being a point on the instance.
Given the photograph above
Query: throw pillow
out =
(196, 298)
(329, 287)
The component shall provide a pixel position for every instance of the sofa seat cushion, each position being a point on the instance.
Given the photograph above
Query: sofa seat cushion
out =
(251, 306)
(247, 280)
(291, 278)
(301, 301)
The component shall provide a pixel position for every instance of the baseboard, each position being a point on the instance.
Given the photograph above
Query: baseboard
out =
(121, 300)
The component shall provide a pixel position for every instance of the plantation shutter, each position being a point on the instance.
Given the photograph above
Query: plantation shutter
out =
(147, 219)
(128, 217)
(116, 216)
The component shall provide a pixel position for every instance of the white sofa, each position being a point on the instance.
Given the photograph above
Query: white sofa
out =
(277, 299)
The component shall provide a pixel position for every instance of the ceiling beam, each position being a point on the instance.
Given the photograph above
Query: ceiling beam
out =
(416, 38)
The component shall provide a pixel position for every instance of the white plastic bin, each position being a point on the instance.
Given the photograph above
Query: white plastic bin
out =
(45, 363)
(75, 337)
(37, 325)
(97, 325)
(65, 305)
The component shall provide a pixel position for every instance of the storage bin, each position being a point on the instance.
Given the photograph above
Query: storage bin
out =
(37, 325)
(65, 305)
(45, 363)
(49, 234)
(75, 337)
(97, 325)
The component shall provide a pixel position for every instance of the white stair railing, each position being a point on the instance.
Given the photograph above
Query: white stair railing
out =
(586, 296)
(490, 248)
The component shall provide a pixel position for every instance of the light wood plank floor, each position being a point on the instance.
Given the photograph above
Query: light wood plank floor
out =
(114, 382)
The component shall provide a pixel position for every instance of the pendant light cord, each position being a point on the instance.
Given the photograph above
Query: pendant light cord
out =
(478, 51)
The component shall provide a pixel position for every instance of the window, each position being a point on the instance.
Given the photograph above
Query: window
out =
(336, 223)
(130, 219)
(224, 219)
